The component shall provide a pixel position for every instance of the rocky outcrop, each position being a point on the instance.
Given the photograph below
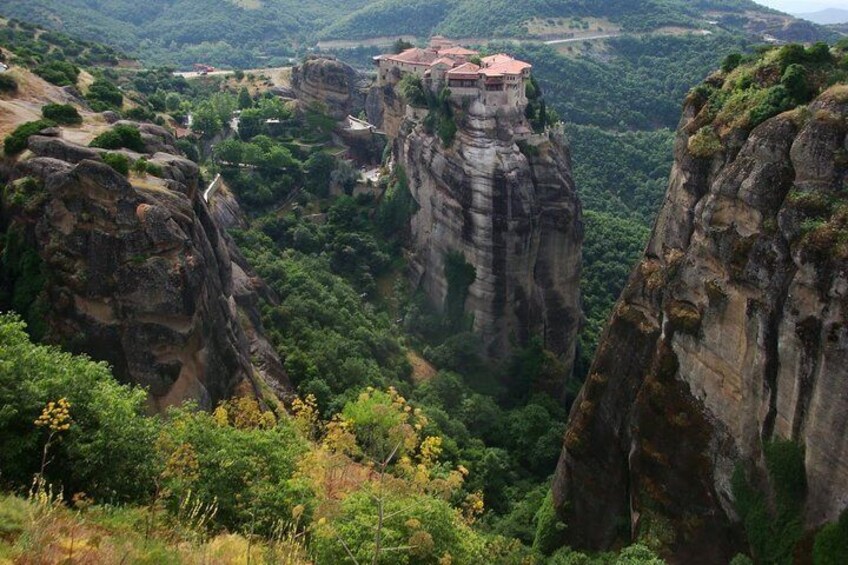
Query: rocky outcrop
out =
(385, 109)
(134, 272)
(514, 216)
(329, 82)
(225, 209)
(730, 333)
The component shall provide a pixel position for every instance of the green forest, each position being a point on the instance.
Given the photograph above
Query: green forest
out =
(403, 442)
(269, 32)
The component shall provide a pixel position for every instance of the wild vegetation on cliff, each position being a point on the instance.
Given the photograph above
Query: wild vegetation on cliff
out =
(724, 357)
(400, 442)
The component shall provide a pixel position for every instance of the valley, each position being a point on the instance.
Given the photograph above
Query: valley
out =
(492, 300)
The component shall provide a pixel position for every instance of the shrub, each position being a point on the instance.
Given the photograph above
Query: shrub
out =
(447, 130)
(60, 73)
(140, 114)
(240, 457)
(118, 161)
(731, 62)
(154, 169)
(8, 84)
(17, 140)
(412, 90)
(705, 143)
(549, 528)
(140, 166)
(777, 100)
(773, 534)
(795, 81)
(108, 450)
(785, 464)
(64, 114)
(103, 95)
(831, 544)
(15, 514)
(120, 136)
(435, 531)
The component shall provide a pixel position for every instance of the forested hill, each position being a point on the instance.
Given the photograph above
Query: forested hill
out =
(252, 32)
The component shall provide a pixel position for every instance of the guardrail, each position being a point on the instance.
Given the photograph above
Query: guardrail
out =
(213, 188)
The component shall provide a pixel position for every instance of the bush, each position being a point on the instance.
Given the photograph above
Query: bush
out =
(785, 464)
(64, 114)
(447, 130)
(140, 166)
(154, 169)
(731, 62)
(777, 100)
(60, 73)
(103, 95)
(240, 457)
(773, 534)
(795, 81)
(8, 84)
(108, 450)
(705, 143)
(17, 140)
(120, 137)
(433, 529)
(412, 90)
(831, 545)
(549, 528)
(140, 114)
(118, 161)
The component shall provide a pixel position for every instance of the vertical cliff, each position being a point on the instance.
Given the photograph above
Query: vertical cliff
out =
(133, 271)
(729, 334)
(330, 83)
(512, 211)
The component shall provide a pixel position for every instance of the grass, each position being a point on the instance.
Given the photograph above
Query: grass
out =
(45, 531)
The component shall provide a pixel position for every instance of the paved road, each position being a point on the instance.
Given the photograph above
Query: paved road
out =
(581, 39)
(270, 71)
(195, 74)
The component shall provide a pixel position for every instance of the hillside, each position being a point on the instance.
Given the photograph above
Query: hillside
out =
(252, 32)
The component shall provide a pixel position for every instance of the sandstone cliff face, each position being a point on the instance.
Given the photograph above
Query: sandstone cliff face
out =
(137, 273)
(327, 81)
(731, 332)
(385, 109)
(514, 217)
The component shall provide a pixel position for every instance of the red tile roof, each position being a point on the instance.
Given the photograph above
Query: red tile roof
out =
(413, 56)
(464, 70)
(498, 58)
(503, 65)
(457, 51)
(443, 61)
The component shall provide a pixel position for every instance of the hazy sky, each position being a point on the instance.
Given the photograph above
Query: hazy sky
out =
(803, 6)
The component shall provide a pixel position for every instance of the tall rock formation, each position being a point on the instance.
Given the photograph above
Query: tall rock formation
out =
(731, 332)
(327, 81)
(134, 272)
(510, 208)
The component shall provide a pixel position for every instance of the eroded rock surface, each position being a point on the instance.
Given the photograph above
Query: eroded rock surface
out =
(137, 273)
(514, 215)
(731, 332)
(330, 83)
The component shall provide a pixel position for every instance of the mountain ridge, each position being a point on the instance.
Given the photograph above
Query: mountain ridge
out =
(244, 34)
(828, 16)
